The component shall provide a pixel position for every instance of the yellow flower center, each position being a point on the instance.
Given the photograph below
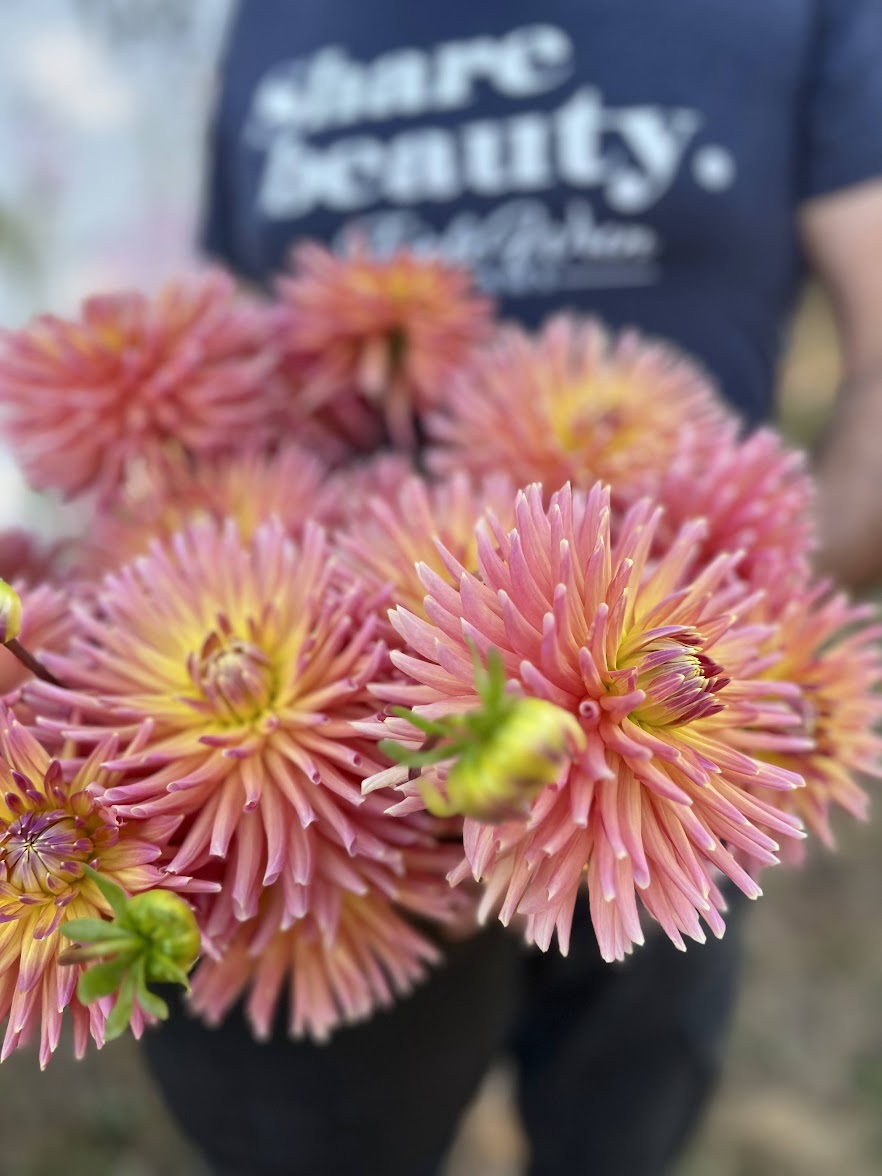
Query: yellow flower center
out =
(593, 416)
(234, 676)
(41, 852)
(680, 682)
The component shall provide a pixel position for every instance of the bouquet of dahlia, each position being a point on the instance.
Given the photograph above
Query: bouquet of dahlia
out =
(386, 619)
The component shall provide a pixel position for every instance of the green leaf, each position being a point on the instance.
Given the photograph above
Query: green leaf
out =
(412, 759)
(114, 894)
(92, 930)
(494, 680)
(101, 980)
(430, 726)
(151, 1003)
(166, 971)
(121, 1013)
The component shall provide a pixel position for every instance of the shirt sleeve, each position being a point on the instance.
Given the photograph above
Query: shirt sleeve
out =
(843, 113)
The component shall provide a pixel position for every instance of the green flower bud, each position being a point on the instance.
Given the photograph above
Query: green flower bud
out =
(169, 928)
(152, 939)
(10, 613)
(497, 775)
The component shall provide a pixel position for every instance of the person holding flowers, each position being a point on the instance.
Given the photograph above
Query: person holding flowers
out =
(393, 615)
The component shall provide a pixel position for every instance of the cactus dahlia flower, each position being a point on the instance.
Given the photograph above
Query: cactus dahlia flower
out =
(423, 523)
(755, 495)
(371, 342)
(251, 662)
(658, 668)
(250, 488)
(830, 651)
(132, 377)
(590, 406)
(51, 825)
(354, 951)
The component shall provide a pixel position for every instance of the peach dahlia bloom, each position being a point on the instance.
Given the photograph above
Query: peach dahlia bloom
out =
(590, 405)
(658, 667)
(830, 649)
(132, 377)
(369, 343)
(340, 504)
(250, 661)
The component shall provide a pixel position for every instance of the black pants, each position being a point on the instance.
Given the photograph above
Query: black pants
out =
(615, 1061)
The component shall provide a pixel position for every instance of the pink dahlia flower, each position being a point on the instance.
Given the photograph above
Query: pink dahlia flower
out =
(658, 668)
(51, 825)
(251, 663)
(249, 487)
(424, 523)
(131, 378)
(575, 404)
(370, 343)
(755, 495)
(830, 649)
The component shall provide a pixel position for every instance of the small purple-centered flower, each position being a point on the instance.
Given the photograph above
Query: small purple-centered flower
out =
(51, 827)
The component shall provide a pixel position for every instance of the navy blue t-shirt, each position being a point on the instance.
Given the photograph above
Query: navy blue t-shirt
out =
(638, 159)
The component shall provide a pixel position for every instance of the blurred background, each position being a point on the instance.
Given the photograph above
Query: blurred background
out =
(102, 109)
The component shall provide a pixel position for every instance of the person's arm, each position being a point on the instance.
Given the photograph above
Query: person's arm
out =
(842, 236)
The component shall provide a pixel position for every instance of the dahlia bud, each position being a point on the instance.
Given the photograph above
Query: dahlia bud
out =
(168, 927)
(154, 939)
(502, 753)
(499, 775)
(10, 613)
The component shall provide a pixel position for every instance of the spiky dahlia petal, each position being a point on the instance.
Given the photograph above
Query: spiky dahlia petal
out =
(657, 667)
(340, 502)
(189, 368)
(369, 342)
